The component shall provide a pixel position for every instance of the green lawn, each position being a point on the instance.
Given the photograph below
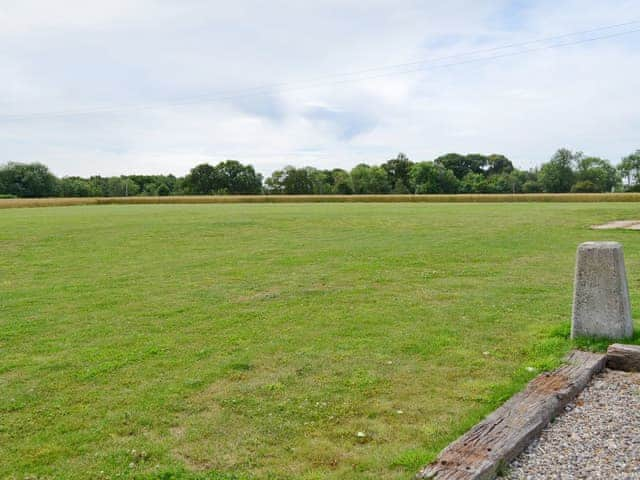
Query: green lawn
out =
(256, 341)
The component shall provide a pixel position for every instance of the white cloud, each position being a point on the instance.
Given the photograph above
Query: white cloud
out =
(19, 17)
(81, 56)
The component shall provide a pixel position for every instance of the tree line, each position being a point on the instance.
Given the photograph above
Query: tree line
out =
(566, 171)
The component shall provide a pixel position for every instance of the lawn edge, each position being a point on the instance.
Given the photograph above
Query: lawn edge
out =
(487, 448)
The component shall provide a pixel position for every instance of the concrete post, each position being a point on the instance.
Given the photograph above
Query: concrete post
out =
(601, 305)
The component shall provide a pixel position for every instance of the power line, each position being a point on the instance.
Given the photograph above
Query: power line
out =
(270, 87)
(395, 69)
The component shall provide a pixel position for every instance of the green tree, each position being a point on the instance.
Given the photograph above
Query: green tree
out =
(398, 170)
(585, 186)
(236, 178)
(121, 187)
(321, 180)
(298, 181)
(202, 180)
(97, 186)
(498, 164)
(274, 184)
(511, 182)
(291, 181)
(598, 172)
(163, 190)
(401, 187)
(532, 186)
(28, 180)
(461, 165)
(74, 187)
(429, 177)
(371, 180)
(474, 183)
(629, 168)
(342, 183)
(228, 177)
(149, 184)
(557, 175)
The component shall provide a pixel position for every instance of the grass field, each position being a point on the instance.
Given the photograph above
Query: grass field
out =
(256, 341)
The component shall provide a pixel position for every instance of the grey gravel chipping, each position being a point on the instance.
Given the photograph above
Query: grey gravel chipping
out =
(598, 437)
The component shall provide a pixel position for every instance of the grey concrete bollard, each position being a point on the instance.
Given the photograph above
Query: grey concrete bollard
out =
(601, 305)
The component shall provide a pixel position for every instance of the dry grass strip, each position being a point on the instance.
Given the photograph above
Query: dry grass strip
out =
(460, 198)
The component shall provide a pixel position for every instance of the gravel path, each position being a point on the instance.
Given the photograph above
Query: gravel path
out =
(597, 438)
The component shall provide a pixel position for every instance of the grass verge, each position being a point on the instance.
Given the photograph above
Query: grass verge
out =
(225, 199)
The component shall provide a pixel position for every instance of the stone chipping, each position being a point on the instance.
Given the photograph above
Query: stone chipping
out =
(598, 436)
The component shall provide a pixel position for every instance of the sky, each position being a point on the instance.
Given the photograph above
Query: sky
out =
(159, 86)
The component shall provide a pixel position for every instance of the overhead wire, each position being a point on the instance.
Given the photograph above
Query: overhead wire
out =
(342, 78)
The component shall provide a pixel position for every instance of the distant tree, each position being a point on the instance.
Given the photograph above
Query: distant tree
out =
(202, 180)
(398, 170)
(291, 181)
(121, 187)
(228, 177)
(74, 187)
(497, 183)
(149, 189)
(28, 180)
(326, 181)
(401, 187)
(149, 184)
(599, 174)
(461, 165)
(235, 178)
(163, 190)
(298, 181)
(371, 180)
(474, 183)
(429, 177)
(585, 186)
(512, 182)
(629, 168)
(171, 181)
(98, 186)
(477, 162)
(557, 175)
(450, 173)
(178, 187)
(532, 186)
(498, 164)
(321, 180)
(274, 184)
(342, 183)
(516, 180)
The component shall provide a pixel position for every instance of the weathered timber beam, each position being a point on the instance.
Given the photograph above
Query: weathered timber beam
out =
(624, 357)
(481, 452)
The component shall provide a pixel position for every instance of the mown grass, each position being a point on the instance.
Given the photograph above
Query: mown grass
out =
(255, 341)
(225, 199)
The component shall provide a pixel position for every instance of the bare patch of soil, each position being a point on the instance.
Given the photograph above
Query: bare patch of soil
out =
(618, 225)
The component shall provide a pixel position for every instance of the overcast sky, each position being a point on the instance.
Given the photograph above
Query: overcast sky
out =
(158, 86)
